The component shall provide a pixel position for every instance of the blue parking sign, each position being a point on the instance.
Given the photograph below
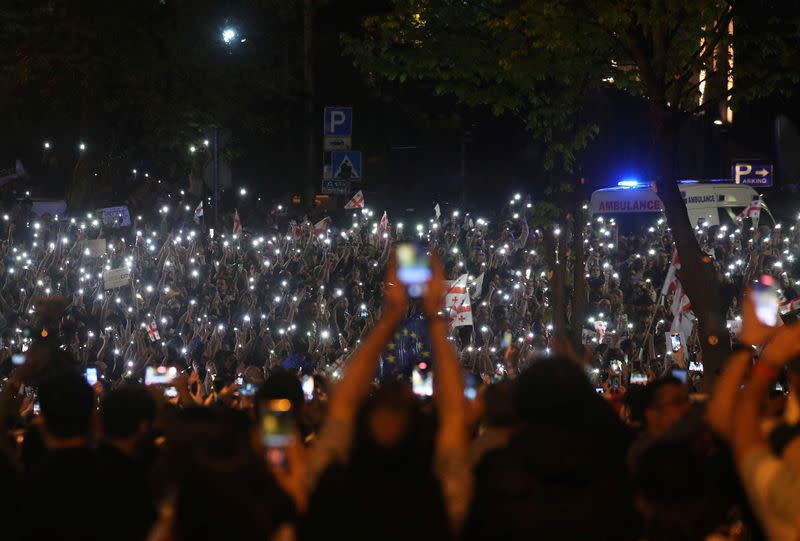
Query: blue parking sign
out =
(338, 121)
(752, 173)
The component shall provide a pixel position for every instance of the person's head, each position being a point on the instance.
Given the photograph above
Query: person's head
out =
(67, 404)
(127, 412)
(281, 384)
(212, 470)
(498, 406)
(670, 493)
(388, 425)
(665, 401)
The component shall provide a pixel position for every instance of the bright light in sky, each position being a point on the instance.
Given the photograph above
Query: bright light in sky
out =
(228, 35)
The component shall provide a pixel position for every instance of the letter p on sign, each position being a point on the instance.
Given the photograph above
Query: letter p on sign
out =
(338, 121)
(741, 170)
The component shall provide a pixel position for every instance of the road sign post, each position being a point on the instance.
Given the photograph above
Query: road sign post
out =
(340, 164)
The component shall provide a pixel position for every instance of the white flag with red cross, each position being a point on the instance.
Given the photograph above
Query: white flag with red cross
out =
(198, 213)
(321, 227)
(457, 306)
(237, 223)
(152, 332)
(752, 211)
(671, 282)
(357, 201)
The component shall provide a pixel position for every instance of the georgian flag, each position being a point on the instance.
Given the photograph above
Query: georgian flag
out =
(671, 282)
(357, 202)
(198, 213)
(322, 226)
(682, 317)
(752, 211)
(152, 332)
(385, 225)
(457, 306)
(237, 223)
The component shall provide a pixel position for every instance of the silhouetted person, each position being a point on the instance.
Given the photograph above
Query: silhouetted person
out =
(126, 416)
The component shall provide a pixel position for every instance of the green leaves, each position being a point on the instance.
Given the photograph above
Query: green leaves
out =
(540, 59)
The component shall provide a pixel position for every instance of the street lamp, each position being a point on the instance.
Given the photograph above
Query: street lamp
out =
(47, 145)
(228, 35)
(82, 146)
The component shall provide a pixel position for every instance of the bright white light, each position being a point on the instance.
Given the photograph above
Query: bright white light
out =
(82, 146)
(228, 35)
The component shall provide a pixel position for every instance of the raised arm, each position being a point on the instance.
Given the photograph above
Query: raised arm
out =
(449, 392)
(721, 406)
(748, 435)
(451, 464)
(354, 387)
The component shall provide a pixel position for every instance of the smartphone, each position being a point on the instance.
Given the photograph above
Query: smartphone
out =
(170, 392)
(675, 339)
(277, 430)
(364, 314)
(615, 383)
(413, 267)
(421, 382)
(695, 367)
(18, 359)
(615, 366)
(470, 386)
(248, 389)
(239, 381)
(159, 375)
(599, 390)
(36, 408)
(308, 387)
(765, 299)
(778, 387)
(681, 374)
(506, 340)
(91, 375)
(638, 378)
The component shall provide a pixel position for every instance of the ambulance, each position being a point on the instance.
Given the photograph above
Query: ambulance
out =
(707, 202)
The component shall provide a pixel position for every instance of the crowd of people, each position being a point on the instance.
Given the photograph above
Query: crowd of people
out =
(271, 378)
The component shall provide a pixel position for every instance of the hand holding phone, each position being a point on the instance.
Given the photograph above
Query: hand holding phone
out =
(159, 375)
(91, 375)
(765, 299)
(422, 381)
(675, 341)
(413, 267)
(278, 430)
(308, 387)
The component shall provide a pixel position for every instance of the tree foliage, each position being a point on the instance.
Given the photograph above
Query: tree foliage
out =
(541, 59)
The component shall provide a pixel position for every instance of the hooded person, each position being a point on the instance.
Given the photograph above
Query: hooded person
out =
(563, 475)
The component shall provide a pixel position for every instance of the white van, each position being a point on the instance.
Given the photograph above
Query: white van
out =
(704, 201)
